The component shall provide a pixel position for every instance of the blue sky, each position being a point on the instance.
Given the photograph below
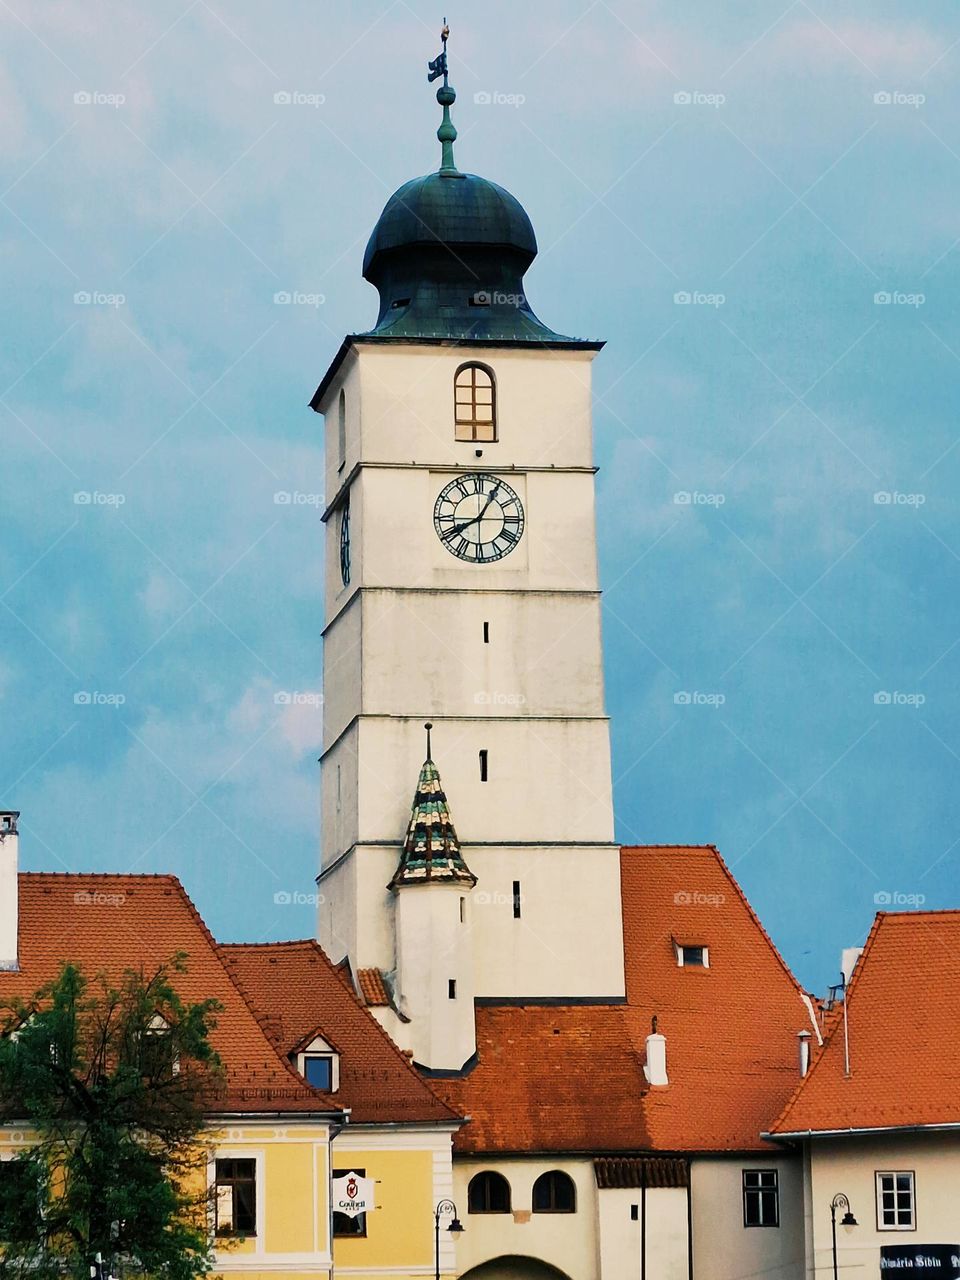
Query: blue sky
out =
(781, 164)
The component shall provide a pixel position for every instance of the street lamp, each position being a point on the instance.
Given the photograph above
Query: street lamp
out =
(839, 1201)
(455, 1227)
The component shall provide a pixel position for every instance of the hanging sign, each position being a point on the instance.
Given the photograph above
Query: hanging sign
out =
(940, 1260)
(353, 1194)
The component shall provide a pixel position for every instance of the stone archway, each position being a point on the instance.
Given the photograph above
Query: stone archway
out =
(514, 1267)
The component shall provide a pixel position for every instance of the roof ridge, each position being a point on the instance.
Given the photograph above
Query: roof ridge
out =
(348, 987)
(830, 1033)
(273, 1052)
(101, 875)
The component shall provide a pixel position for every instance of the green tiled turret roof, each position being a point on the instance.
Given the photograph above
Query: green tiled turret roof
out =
(431, 849)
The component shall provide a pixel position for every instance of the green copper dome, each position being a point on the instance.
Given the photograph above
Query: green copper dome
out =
(459, 209)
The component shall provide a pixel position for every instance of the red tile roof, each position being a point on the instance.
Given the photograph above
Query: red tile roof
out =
(107, 924)
(903, 1020)
(307, 996)
(570, 1077)
(372, 989)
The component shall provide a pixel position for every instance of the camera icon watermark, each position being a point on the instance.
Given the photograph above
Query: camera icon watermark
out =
(895, 698)
(898, 298)
(696, 698)
(695, 98)
(896, 898)
(496, 98)
(894, 498)
(296, 898)
(94, 698)
(297, 98)
(94, 498)
(897, 98)
(294, 498)
(96, 298)
(698, 298)
(694, 498)
(97, 98)
(297, 698)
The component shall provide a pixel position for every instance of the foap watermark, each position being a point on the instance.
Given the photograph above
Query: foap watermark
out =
(694, 498)
(494, 898)
(98, 898)
(95, 698)
(695, 898)
(294, 498)
(297, 698)
(298, 98)
(898, 298)
(297, 898)
(697, 298)
(896, 698)
(695, 698)
(498, 698)
(97, 298)
(697, 98)
(295, 298)
(897, 898)
(497, 98)
(94, 498)
(98, 98)
(894, 498)
(897, 98)
(484, 298)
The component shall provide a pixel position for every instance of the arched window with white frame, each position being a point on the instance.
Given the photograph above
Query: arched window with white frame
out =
(475, 403)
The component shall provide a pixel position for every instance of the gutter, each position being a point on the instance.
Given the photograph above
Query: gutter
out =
(854, 1132)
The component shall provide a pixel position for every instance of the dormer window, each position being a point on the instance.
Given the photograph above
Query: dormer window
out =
(157, 1057)
(319, 1064)
(475, 403)
(692, 955)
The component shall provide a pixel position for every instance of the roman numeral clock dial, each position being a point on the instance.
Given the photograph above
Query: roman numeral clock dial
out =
(478, 518)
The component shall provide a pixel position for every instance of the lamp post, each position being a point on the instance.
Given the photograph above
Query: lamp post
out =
(839, 1201)
(455, 1227)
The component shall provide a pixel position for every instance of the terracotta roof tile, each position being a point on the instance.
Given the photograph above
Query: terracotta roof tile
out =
(372, 988)
(570, 1077)
(903, 1021)
(109, 923)
(308, 996)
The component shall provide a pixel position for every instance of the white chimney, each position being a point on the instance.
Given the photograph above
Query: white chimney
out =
(655, 1068)
(803, 1048)
(9, 895)
(848, 959)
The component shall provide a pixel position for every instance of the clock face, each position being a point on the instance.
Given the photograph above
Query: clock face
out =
(478, 517)
(345, 544)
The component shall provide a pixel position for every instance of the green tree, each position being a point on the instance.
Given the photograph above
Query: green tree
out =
(110, 1081)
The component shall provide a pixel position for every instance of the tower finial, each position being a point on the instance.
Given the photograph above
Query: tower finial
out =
(446, 96)
(428, 726)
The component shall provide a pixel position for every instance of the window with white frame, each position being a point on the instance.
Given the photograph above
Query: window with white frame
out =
(692, 955)
(761, 1198)
(896, 1207)
(319, 1064)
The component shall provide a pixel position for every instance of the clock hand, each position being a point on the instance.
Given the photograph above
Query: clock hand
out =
(459, 528)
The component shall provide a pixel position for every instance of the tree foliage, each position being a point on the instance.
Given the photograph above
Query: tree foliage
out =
(108, 1083)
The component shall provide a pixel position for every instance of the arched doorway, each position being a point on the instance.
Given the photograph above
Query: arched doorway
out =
(513, 1267)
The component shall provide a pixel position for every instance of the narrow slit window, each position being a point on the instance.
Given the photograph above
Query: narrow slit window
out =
(486, 633)
(452, 988)
(463, 910)
(484, 764)
(341, 431)
(475, 403)
(516, 900)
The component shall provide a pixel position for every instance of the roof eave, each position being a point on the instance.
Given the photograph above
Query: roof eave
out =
(854, 1131)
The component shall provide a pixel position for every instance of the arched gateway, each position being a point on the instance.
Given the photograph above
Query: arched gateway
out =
(513, 1267)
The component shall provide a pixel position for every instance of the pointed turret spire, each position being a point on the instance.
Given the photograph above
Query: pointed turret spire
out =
(431, 849)
(446, 96)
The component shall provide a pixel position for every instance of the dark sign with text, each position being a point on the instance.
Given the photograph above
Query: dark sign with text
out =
(940, 1260)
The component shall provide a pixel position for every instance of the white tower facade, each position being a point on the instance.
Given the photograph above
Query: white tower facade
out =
(462, 588)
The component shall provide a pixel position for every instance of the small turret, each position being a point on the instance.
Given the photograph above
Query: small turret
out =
(434, 944)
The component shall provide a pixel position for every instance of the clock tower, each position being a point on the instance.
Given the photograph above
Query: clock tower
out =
(462, 590)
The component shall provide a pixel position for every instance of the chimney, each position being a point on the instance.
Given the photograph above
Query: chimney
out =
(655, 1068)
(803, 1048)
(9, 894)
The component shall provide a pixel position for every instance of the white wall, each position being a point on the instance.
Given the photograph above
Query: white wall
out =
(435, 948)
(567, 1241)
(723, 1248)
(849, 1165)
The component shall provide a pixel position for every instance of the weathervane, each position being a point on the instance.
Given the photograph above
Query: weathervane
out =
(438, 67)
(446, 96)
